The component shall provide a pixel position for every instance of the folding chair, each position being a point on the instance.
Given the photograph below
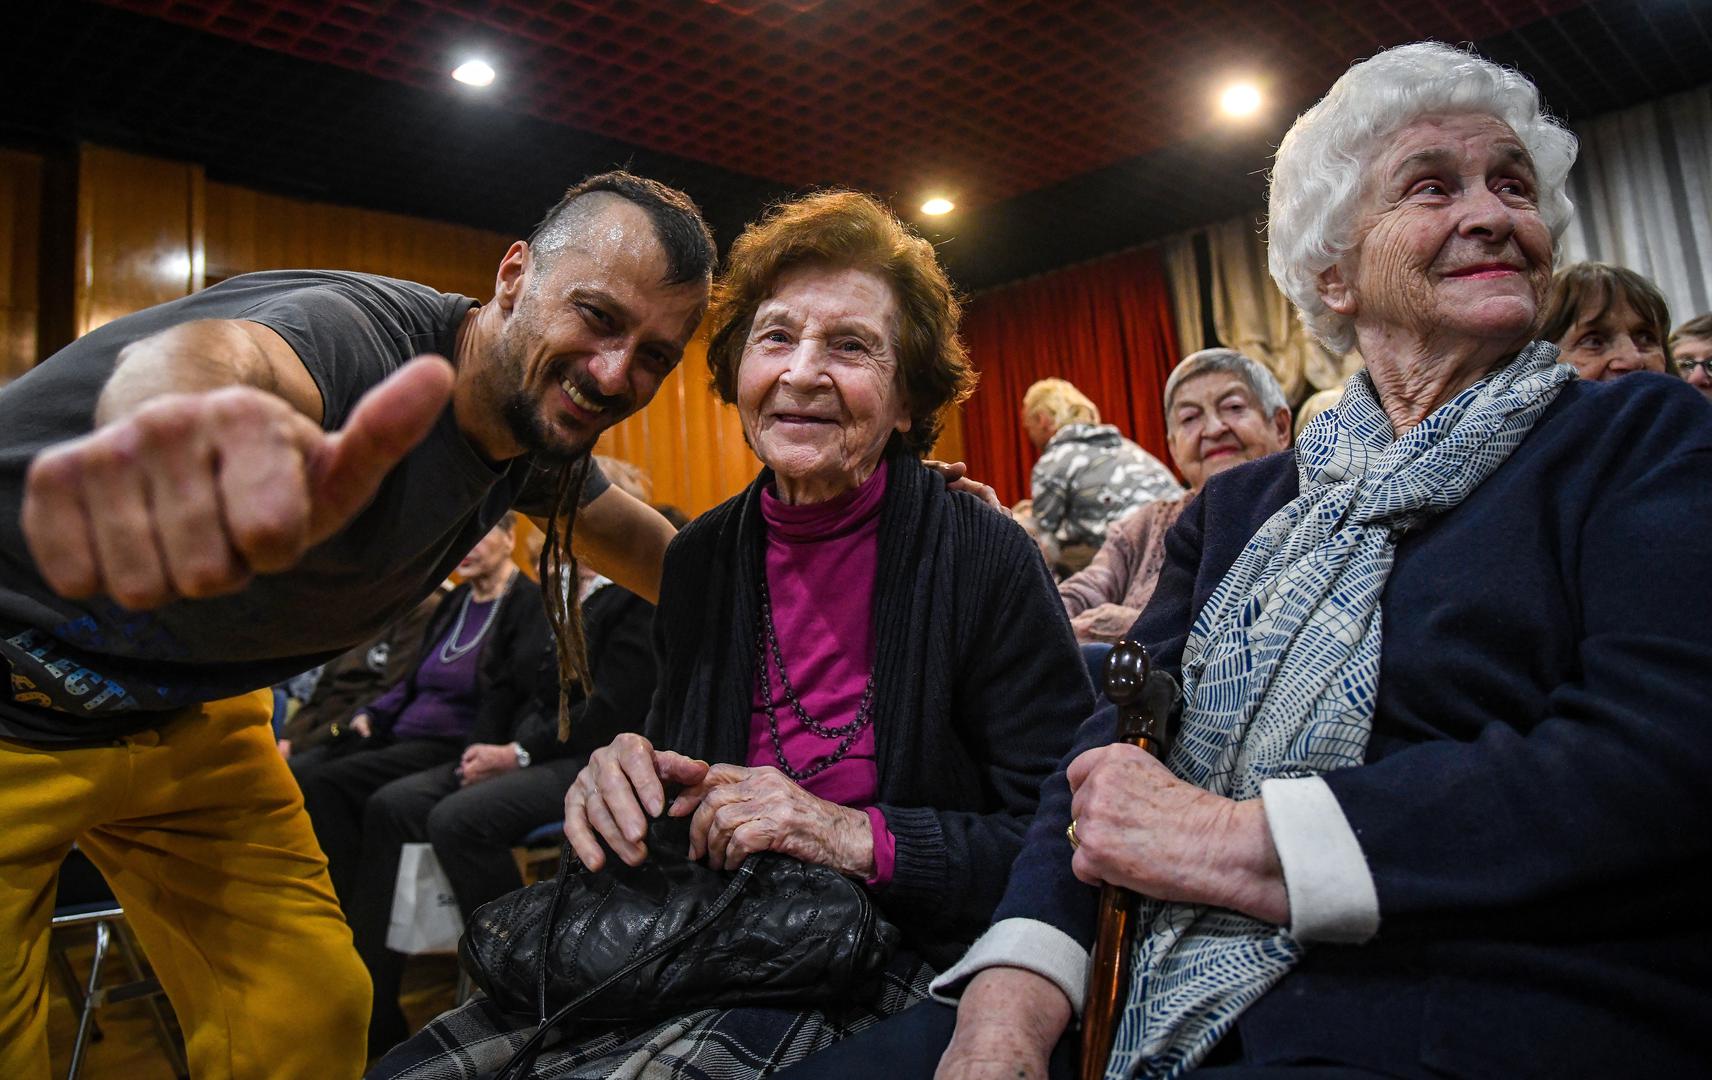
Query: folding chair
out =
(538, 851)
(83, 899)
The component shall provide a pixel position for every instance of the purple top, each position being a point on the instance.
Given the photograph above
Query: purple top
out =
(444, 706)
(821, 560)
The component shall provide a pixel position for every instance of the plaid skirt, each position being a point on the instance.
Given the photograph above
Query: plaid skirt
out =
(476, 1040)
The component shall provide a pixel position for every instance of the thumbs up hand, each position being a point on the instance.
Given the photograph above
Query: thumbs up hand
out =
(192, 494)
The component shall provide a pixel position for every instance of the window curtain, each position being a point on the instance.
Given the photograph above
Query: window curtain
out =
(1642, 187)
(1106, 326)
(1253, 317)
(1187, 303)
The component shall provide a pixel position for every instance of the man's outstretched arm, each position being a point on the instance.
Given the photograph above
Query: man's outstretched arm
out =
(209, 354)
(208, 465)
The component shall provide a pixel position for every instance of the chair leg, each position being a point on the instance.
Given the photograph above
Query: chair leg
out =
(68, 977)
(86, 1016)
(73, 988)
(168, 1043)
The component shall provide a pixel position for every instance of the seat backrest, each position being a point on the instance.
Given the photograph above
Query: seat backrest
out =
(81, 886)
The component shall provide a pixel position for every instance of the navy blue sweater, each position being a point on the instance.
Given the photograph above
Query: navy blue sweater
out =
(1537, 793)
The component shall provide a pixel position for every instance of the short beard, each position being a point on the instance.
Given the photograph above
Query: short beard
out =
(522, 414)
(520, 409)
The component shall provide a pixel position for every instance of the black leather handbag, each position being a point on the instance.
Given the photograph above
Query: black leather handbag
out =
(634, 944)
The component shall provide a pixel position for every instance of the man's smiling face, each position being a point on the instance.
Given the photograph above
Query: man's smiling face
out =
(591, 332)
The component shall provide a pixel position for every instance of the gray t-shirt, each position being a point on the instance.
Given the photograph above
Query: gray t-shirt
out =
(87, 671)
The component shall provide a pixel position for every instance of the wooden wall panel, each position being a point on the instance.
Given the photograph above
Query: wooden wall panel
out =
(139, 237)
(949, 446)
(20, 259)
(252, 230)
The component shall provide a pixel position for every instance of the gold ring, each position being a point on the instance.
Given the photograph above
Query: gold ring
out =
(1070, 835)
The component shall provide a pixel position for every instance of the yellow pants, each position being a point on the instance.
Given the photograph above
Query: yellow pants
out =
(199, 827)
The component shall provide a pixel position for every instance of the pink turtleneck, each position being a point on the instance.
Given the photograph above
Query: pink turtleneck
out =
(820, 565)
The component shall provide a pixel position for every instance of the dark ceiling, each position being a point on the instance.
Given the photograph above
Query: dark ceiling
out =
(1063, 130)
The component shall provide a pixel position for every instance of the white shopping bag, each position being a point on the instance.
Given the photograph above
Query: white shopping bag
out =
(425, 915)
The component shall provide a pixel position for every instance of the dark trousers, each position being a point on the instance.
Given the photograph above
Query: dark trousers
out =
(336, 790)
(472, 829)
(911, 1043)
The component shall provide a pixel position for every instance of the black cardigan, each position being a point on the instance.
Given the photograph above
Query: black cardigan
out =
(510, 657)
(978, 681)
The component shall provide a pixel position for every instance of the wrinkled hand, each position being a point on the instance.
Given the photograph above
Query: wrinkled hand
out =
(1007, 1024)
(621, 787)
(740, 811)
(192, 494)
(1141, 827)
(484, 761)
(956, 475)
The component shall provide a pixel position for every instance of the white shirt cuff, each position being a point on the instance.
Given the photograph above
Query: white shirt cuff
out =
(1332, 897)
(1020, 943)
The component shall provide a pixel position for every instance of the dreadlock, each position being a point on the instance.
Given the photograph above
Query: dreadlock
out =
(558, 579)
(690, 255)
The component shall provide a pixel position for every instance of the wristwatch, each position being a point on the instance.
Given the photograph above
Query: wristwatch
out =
(523, 758)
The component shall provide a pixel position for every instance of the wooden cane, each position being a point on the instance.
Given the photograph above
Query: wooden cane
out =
(1144, 698)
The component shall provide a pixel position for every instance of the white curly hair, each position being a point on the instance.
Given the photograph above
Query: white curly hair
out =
(1318, 172)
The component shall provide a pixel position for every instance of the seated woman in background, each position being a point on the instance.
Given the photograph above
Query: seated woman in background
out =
(513, 771)
(1607, 321)
(340, 688)
(1691, 351)
(479, 656)
(1435, 805)
(878, 669)
(1221, 409)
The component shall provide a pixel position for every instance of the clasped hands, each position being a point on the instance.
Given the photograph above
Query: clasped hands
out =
(734, 811)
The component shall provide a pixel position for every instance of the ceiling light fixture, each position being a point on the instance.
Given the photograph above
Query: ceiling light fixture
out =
(474, 73)
(1240, 100)
(937, 206)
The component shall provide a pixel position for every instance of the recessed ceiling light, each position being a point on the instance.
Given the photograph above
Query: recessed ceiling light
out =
(1240, 99)
(474, 73)
(936, 207)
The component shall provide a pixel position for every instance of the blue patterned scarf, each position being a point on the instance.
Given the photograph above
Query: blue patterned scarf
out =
(1281, 670)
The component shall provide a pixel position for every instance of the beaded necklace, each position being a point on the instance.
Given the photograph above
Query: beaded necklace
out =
(450, 650)
(767, 644)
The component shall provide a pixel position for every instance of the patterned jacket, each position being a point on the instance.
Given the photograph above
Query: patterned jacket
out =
(1088, 476)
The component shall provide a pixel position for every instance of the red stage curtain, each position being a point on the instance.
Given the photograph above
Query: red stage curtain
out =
(1105, 326)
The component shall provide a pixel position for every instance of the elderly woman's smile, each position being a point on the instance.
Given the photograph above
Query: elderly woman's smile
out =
(817, 386)
(1453, 258)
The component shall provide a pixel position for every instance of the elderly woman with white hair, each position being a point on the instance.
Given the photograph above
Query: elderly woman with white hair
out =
(1437, 804)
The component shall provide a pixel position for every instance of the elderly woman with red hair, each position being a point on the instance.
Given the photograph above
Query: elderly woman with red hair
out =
(842, 678)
